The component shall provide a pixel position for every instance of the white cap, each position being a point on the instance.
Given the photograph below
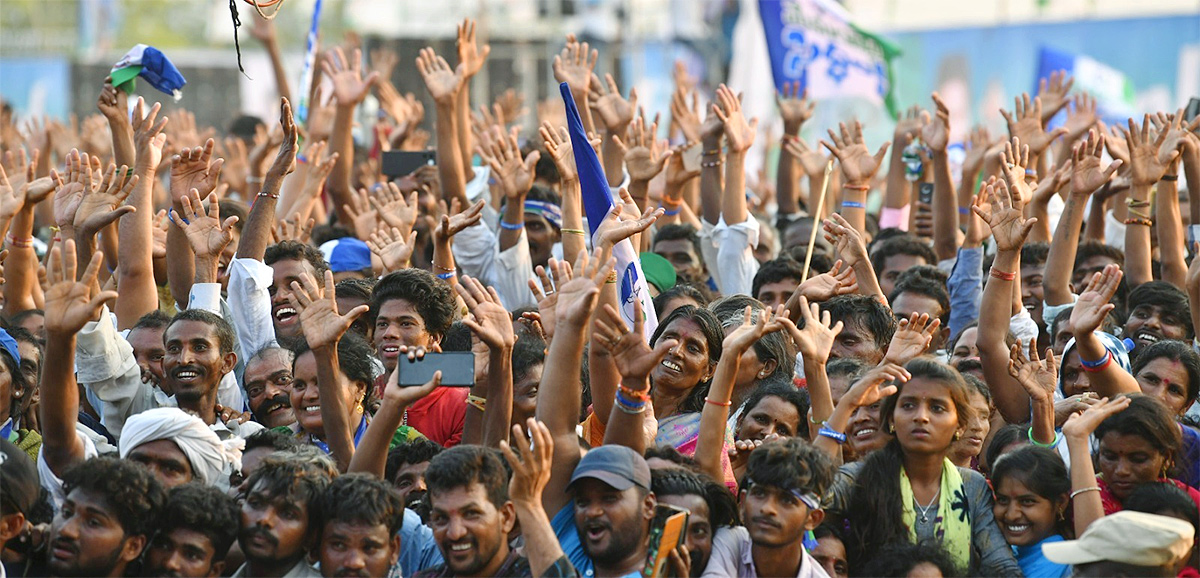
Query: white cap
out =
(1132, 538)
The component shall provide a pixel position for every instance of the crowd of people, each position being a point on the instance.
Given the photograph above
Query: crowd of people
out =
(204, 331)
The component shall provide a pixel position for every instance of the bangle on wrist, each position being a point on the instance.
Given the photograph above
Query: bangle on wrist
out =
(1084, 490)
(718, 403)
(831, 433)
(512, 226)
(852, 205)
(1169, 178)
(863, 188)
(579, 232)
(1095, 366)
(635, 395)
(1002, 275)
(1049, 446)
(1139, 221)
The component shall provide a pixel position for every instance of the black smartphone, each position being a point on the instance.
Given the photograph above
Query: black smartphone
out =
(667, 532)
(457, 367)
(1193, 109)
(925, 193)
(403, 163)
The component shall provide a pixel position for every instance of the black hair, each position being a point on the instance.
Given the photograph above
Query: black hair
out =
(20, 317)
(457, 337)
(362, 499)
(887, 233)
(244, 126)
(204, 509)
(325, 233)
(679, 291)
(18, 383)
(670, 454)
(978, 386)
(680, 232)
(1162, 498)
(432, 297)
(291, 477)
(545, 169)
(896, 560)
(357, 287)
(463, 465)
(276, 440)
(926, 287)
(1147, 418)
(850, 367)
(774, 271)
(900, 245)
(1041, 470)
(722, 507)
(1090, 249)
(153, 320)
(235, 208)
(31, 368)
(930, 272)
(134, 495)
(789, 464)
(528, 352)
(1034, 254)
(1007, 435)
(714, 335)
(355, 359)
(776, 345)
(874, 511)
(1178, 352)
(865, 312)
(285, 250)
(787, 392)
(545, 195)
(1165, 296)
(828, 530)
(413, 452)
(223, 331)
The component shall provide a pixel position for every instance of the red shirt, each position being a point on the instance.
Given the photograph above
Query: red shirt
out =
(440, 415)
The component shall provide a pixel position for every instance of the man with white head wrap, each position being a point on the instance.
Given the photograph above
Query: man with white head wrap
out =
(179, 447)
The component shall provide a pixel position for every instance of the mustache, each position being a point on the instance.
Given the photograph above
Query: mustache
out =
(69, 545)
(257, 532)
(766, 521)
(969, 364)
(273, 403)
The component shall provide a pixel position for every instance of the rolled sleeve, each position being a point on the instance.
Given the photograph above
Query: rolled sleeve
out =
(206, 296)
(735, 255)
(511, 278)
(106, 367)
(475, 251)
(250, 305)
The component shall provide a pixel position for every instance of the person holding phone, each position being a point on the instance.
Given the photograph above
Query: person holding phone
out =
(780, 502)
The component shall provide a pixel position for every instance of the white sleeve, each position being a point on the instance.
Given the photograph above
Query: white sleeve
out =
(104, 364)
(735, 255)
(249, 298)
(475, 251)
(511, 277)
(709, 250)
(1023, 326)
(52, 481)
(206, 296)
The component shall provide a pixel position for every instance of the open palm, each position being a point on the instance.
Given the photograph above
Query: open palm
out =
(320, 320)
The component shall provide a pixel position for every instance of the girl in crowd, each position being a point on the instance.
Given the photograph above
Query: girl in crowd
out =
(965, 452)
(908, 491)
(1170, 371)
(1032, 487)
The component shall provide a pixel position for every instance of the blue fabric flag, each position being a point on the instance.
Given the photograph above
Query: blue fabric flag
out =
(597, 203)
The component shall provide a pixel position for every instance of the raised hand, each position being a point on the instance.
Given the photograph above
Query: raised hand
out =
(794, 106)
(754, 326)
(826, 286)
(869, 388)
(323, 325)
(70, 193)
(978, 143)
(936, 131)
(10, 200)
(1087, 176)
(614, 229)
(1144, 153)
(811, 159)
(148, 136)
(581, 287)
(453, 222)
(546, 296)
(71, 304)
(349, 86)
(195, 169)
(845, 239)
(558, 145)
(1038, 377)
(908, 125)
(1052, 184)
(1095, 302)
(489, 320)
(1003, 215)
(1054, 93)
(815, 341)
(101, 205)
(531, 470)
(1081, 425)
(395, 210)
(712, 130)
(858, 166)
(685, 115)
(645, 155)
(364, 218)
(113, 104)
(442, 82)
(285, 159)
(294, 230)
(615, 111)
(470, 56)
(728, 108)
(1014, 163)
(635, 359)
(912, 338)
(206, 233)
(392, 248)
(1025, 123)
(1082, 117)
(574, 66)
(503, 155)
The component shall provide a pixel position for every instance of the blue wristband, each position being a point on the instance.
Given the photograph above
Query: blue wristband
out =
(852, 205)
(831, 434)
(669, 213)
(511, 226)
(171, 215)
(964, 210)
(1095, 364)
(446, 276)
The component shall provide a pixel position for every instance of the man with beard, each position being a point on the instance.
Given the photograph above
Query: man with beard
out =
(359, 519)
(471, 514)
(268, 377)
(199, 525)
(709, 504)
(111, 508)
(275, 532)
(1158, 311)
(146, 339)
(780, 501)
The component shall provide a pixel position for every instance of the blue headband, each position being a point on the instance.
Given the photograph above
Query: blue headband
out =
(550, 211)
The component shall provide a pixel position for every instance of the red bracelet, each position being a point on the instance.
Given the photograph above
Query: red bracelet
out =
(20, 243)
(1002, 275)
(863, 188)
(1096, 367)
(725, 404)
(634, 395)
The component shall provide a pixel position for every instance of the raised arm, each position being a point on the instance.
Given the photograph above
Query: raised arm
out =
(559, 399)
(190, 169)
(858, 168)
(645, 156)
(814, 343)
(444, 84)
(256, 234)
(576, 66)
(1085, 492)
(1168, 221)
(1039, 379)
(21, 265)
(492, 324)
(712, 183)
(636, 360)
(869, 389)
(898, 195)
(263, 30)
(515, 177)
(853, 252)
(795, 108)
(471, 57)
(531, 472)
(70, 305)
(135, 276)
(739, 134)
(206, 234)
(558, 146)
(936, 135)
(1095, 302)
(349, 89)
(1149, 160)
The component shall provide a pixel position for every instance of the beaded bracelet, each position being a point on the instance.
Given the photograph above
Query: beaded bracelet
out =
(852, 205)
(1139, 221)
(271, 195)
(712, 164)
(832, 434)
(1002, 275)
(635, 395)
(1049, 446)
(512, 226)
(612, 277)
(579, 232)
(1136, 203)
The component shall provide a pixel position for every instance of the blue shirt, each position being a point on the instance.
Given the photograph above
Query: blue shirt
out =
(563, 525)
(966, 288)
(1034, 563)
(418, 550)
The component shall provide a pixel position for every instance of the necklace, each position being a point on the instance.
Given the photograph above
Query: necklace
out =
(925, 509)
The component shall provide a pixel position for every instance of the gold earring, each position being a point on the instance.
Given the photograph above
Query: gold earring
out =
(891, 428)
(957, 436)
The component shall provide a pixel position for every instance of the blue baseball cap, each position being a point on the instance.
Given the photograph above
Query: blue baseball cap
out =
(346, 254)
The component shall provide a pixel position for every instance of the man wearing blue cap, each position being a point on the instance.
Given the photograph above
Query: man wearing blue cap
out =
(604, 528)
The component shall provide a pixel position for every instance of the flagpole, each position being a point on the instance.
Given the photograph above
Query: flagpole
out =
(812, 237)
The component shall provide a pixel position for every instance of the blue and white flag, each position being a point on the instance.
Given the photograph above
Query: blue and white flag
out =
(815, 43)
(153, 66)
(597, 204)
(1113, 90)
